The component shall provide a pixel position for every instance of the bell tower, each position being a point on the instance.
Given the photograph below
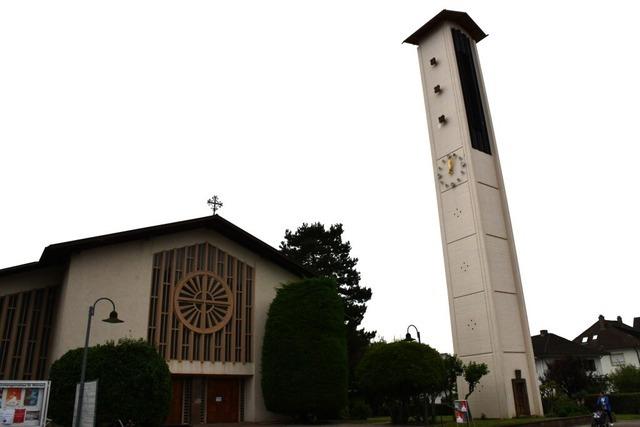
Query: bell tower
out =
(488, 315)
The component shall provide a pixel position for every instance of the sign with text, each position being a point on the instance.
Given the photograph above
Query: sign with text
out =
(461, 411)
(24, 403)
(89, 402)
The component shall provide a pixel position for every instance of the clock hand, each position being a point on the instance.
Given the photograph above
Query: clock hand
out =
(450, 165)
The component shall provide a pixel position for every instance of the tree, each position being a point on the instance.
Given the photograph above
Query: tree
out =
(323, 253)
(473, 372)
(131, 367)
(570, 377)
(453, 368)
(397, 373)
(626, 379)
(304, 354)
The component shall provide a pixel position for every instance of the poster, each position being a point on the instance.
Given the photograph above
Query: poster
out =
(24, 403)
(31, 396)
(461, 411)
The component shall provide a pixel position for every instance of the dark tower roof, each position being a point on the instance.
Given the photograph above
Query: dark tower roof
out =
(459, 18)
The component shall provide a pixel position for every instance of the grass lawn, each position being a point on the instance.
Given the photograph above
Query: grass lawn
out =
(627, 417)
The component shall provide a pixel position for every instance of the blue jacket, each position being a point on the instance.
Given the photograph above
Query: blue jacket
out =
(603, 402)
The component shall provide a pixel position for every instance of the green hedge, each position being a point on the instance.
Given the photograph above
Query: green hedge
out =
(304, 354)
(134, 383)
(621, 403)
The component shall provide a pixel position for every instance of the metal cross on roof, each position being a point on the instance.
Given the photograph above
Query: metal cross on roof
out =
(214, 203)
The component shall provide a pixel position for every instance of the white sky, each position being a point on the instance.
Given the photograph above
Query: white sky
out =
(123, 114)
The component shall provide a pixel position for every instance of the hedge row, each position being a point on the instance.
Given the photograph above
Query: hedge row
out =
(621, 403)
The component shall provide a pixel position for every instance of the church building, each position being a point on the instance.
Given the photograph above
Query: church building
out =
(198, 290)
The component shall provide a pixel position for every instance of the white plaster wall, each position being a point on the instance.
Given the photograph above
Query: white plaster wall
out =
(472, 325)
(457, 213)
(464, 266)
(483, 399)
(630, 358)
(122, 272)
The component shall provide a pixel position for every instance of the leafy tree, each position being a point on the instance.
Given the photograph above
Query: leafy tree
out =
(570, 377)
(397, 373)
(323, 252)
(134, 383)
(453, 369)
(473, 372)
(304, 354)
(626, 379)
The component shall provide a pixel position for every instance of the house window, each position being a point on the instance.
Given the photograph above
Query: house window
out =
(595, 337)
(617, 359)
(585, 339)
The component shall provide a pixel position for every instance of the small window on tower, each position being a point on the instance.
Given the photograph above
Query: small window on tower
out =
(595, 337)
(585, 339)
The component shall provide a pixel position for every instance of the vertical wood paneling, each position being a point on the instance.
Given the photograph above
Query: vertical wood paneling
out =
(170, 336)
(25, 324)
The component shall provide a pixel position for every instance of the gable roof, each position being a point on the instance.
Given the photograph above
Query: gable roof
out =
(60, 252)
(462, 19)
(548, 345)
(611, 335)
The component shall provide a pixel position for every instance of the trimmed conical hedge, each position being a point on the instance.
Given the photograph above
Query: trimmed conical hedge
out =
(304, 354)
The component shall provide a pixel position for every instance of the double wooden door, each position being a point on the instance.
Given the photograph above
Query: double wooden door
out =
(223, 395)
(204, 400)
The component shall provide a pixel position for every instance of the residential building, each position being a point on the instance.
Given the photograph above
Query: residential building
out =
(619, 341)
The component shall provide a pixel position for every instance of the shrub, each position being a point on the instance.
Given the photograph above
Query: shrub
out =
(359, 409)
(304, 354)
(564, 406)
(397, 373)
(626, 379)
(134, 383)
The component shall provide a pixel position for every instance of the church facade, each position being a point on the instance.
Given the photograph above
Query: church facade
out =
(197, 290)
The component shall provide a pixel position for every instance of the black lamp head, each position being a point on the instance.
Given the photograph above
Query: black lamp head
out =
(113, 318)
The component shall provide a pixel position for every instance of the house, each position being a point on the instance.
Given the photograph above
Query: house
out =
(197, 290)
(619, 342)
(548, 347)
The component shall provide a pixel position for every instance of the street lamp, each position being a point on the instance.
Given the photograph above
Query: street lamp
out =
(113, 318)
(408, 337)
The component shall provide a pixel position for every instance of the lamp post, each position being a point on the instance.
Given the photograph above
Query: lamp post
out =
(113, 318)
(408, 337)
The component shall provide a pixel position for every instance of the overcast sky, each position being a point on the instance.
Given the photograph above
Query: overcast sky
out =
(123, 114)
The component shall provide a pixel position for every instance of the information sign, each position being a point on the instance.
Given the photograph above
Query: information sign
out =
(24, 403)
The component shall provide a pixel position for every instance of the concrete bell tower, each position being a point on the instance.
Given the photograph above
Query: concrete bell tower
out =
(488, 315)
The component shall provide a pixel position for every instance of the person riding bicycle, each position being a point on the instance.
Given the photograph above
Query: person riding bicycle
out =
(604, 404)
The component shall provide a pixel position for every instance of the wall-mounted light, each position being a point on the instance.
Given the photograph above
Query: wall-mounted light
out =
(437, 89)
(433, 61)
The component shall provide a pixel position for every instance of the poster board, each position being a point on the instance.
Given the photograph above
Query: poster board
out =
(24, 403)
(461, 411)
(89, 402)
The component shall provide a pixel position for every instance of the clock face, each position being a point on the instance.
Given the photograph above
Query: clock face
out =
(451, 170)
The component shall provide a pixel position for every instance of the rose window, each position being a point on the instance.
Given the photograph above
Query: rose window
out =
(203, 302)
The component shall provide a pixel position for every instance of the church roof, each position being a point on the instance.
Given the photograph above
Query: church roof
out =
(458, 18)
(59, 253)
